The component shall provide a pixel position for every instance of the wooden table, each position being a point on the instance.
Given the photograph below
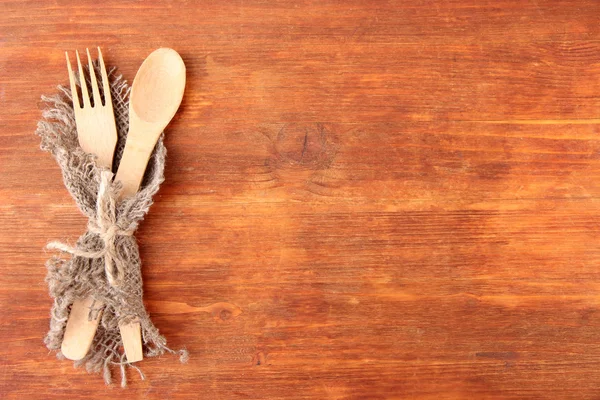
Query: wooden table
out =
(402, 199)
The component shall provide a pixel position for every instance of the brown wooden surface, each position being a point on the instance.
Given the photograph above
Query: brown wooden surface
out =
(363, 200)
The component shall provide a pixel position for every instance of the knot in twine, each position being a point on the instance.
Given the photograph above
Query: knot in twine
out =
(106, 226)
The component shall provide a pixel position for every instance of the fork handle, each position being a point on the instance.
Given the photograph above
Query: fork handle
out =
(81, 328)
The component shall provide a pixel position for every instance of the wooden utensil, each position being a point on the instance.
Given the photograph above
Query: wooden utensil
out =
(97, 134)
(155, 97)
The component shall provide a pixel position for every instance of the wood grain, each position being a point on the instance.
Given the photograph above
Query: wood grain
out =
(363, 200)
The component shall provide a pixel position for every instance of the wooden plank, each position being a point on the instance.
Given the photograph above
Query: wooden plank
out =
(362, 200)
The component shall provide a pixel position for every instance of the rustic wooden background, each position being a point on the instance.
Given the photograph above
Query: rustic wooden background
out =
(363, 200)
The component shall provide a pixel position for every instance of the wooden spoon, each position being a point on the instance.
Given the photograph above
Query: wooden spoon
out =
(155, 97)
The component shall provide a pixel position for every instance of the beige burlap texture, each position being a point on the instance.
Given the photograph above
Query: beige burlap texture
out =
(104, 262)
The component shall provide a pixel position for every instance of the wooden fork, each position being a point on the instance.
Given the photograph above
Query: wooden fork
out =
(97, 134)
(96, 128)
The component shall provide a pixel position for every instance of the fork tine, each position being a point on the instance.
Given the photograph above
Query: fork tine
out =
(105, 83)
(84, 90)
(95, 90)
(74, 94)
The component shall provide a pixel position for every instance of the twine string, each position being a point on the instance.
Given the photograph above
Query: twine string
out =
(106, 227)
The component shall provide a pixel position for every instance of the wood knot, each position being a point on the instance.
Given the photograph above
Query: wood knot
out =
(304, 145)
(222, 312)
(300, 159)
(225, 314)
(259, 358)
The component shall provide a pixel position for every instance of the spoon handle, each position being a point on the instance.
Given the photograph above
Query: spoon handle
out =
(133, 165)
(140, 143)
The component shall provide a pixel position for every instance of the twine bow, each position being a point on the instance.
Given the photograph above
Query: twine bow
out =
(106, 226)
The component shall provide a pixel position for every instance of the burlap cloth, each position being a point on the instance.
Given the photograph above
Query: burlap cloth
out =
(105, 261)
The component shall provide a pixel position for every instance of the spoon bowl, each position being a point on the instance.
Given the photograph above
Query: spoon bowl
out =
(155, 97)
(158, 87)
